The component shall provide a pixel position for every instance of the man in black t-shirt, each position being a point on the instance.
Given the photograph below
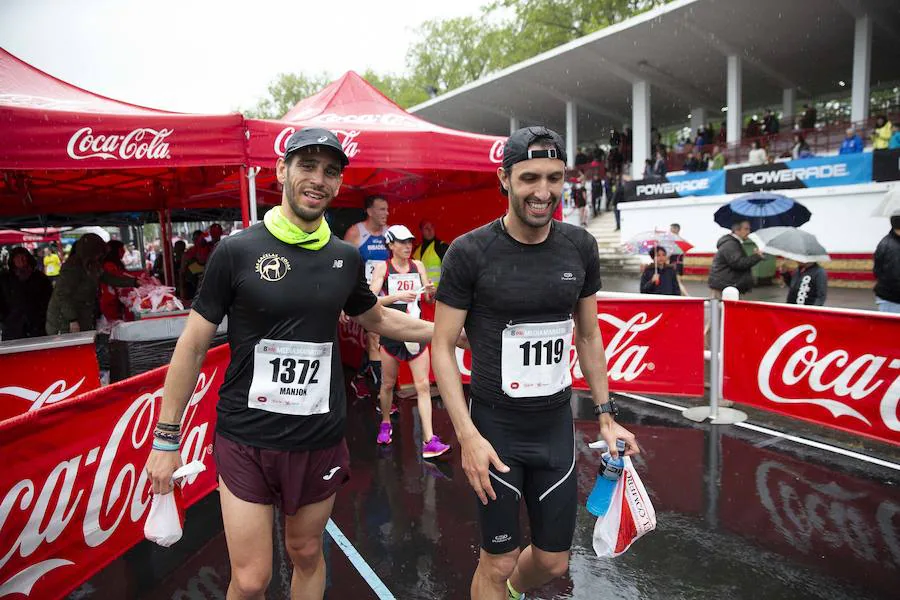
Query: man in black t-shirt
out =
(280, 430)
(520, 285)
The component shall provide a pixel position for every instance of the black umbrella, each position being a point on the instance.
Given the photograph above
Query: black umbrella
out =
(763, 209)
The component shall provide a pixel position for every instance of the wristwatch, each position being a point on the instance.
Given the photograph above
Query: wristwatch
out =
(609, 406)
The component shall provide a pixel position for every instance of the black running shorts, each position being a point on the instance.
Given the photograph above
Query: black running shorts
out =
(539, 449)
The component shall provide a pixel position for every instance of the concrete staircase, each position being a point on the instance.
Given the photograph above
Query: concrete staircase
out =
(613, 262)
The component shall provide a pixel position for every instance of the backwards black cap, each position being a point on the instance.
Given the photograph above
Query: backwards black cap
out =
(315, 136)
(516, 148)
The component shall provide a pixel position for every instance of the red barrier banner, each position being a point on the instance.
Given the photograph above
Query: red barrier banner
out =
(836, 368)
(73, 490)
(652, 346)
(816, 515)
(45, 371)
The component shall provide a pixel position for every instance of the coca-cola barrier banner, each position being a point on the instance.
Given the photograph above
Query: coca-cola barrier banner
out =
(834, 521)
(836, 368)
(652, 346)
(36, 378)
(73, 490)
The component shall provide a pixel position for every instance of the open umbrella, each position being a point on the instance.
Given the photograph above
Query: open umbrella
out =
(644, 241)
(890, 204)
(791, 243)
(763, 209)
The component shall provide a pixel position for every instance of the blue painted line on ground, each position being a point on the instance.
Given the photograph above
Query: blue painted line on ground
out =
(359, 562)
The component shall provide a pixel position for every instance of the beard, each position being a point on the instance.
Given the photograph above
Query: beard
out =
(522, 213)
(304, 213)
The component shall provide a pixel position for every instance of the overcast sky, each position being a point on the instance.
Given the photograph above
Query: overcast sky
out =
(206, 56)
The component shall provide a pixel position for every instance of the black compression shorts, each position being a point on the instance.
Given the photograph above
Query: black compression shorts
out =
(539, 449)
(399, 350)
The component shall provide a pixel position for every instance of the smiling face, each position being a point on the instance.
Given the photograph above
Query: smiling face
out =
(378, 212)
(534, 188)
(311, 178)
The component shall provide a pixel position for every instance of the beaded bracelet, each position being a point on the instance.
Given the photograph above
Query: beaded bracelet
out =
(163, 426)
(166, 436)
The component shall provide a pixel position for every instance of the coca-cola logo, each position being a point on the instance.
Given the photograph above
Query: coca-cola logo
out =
(55, 392)
(387, 119)
(808, 513)
(352, 332)
(347, 138)
(139, 144)
(117, 491)
(793, 361)
(626, 360)
(496, 153)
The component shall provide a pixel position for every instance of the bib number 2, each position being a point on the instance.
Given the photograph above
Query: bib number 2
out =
(292, 378)
(535, 359)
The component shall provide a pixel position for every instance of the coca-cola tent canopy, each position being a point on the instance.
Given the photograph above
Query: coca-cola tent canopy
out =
(391, 152)
(68, 150)
(15, 237)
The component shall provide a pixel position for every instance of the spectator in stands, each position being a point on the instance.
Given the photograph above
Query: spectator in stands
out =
(808, 285)
(618, 196)
(581, 157)
(655, 139)
(648, 169)
(770, 123)
(598, 185)
(731, 266)
(881, 136)
(705, 162)
(661, 279)
(808, 120)
(894, 144)
(215, 234)
(800, 149)
(852, 143)
(692, 161)
(616, 160)
(701, 139)
(718, 159)
(723, 134)
(887, 269)
(710, 134)
(659, 167)
(24, 296)
(615, 139)
(757, 154)
(753, 128)
(677, 260)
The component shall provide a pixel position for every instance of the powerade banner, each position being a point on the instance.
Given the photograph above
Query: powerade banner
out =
(704, 183)
(822, 171)
(886, 165)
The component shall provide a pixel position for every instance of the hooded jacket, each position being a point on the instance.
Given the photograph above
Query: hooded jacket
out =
(731, 265)
(887, 268)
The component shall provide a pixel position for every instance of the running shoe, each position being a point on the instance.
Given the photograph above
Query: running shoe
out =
(513, 595)
(434, 447)
(384, 434)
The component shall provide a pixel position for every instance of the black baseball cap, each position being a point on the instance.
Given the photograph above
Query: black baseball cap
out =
(516, 148)
(315, 136)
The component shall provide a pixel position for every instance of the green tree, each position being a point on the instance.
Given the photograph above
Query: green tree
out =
(284, 92)
(401, 89)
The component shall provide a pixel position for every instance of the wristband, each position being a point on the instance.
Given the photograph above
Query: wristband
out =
(165, 446)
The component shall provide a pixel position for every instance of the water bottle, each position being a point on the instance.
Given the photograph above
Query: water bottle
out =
(607, 477)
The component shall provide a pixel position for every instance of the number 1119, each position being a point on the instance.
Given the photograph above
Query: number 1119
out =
(547, 353)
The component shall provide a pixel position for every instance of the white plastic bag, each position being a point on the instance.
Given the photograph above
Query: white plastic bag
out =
(630, 515)
(166, 516)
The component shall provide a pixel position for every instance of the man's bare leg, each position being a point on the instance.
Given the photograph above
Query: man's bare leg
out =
(536, 567)
(303, 538)
(489, 582)
(248, 534)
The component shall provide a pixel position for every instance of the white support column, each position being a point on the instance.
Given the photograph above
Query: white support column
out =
(788, 102)
(698, 119)
(640, 127)
(735, 110)
(862, 61)
(513, 124)
(571, 132)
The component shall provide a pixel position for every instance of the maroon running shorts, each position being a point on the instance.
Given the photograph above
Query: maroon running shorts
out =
(283, 478)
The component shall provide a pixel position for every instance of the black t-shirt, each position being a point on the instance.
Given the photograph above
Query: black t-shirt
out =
(277, 291)
(501, 281)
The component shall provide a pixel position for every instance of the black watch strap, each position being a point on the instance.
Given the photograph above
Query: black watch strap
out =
(607, 407)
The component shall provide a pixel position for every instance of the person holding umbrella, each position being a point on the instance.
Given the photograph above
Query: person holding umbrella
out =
(809, 283)
(662, 279)
(731, 266)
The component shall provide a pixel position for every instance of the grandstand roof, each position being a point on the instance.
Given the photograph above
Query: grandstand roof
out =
(680, 49)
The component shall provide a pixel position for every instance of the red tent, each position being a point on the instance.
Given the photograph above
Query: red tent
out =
(426, 171)
(67, 150)
(16, 237)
